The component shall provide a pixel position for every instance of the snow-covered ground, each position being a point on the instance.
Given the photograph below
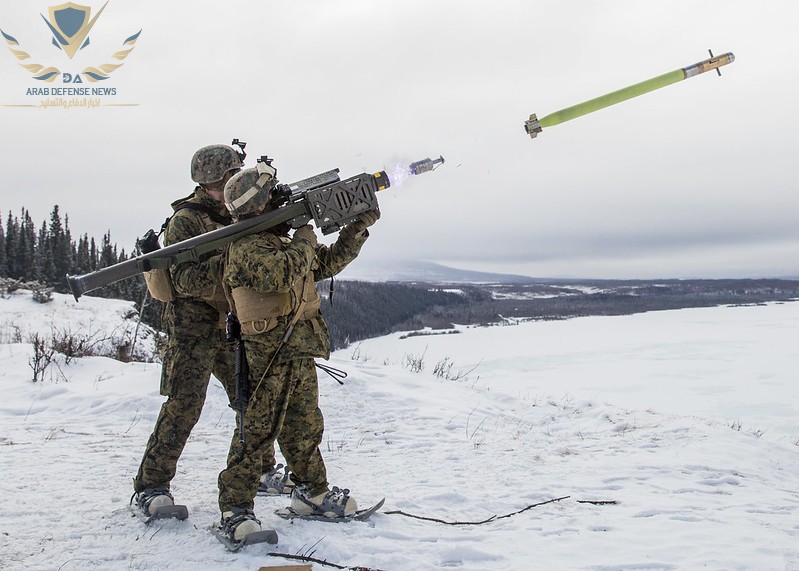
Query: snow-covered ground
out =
(670, 440)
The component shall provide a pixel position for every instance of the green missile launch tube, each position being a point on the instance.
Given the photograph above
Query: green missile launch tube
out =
(533, 125)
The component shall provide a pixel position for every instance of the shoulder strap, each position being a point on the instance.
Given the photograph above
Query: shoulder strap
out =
(176, 205)
(212, 214)
(182, 203)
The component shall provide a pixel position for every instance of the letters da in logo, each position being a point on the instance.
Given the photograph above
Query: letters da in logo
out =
(69, 78)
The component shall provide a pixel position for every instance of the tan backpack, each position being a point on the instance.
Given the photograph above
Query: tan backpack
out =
(159, 280)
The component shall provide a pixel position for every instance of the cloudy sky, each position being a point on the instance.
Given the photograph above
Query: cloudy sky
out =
(695, 180)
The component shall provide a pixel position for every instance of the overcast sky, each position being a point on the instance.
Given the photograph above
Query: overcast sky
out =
(698, 179)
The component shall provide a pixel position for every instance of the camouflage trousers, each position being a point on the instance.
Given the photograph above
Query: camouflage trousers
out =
(187, 366)
(284, 403)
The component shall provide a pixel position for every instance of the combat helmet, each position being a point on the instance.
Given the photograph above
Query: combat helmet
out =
(209, 164)
(250, 189)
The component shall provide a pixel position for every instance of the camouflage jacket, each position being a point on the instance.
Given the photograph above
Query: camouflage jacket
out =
(265, 264)
(201, 303)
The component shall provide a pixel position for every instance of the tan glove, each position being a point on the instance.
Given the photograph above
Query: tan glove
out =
(306, 233)
(364, 221)
(216, 267)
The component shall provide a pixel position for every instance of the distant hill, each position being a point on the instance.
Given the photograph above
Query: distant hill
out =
(364, 309)
(428, 272)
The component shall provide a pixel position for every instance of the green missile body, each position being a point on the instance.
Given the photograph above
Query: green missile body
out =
(534, 125)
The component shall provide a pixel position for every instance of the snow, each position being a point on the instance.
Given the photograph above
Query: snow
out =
(670, 440)
(103, 325)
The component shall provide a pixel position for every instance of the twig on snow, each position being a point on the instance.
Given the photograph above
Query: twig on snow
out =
(492, 518)
(310, 559)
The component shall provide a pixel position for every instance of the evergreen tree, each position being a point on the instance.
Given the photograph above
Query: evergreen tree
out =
(44, 272)
(27, 248)
(95, 259)
(107, 256)
(60, 253)
(83, 260)
(12, 247)
(3, 256)
(108, 252)
(71, 251)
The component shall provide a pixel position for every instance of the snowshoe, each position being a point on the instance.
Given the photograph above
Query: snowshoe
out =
(335, 505)
(157, 503)
(276, 482)
(359, 515)
(240, 527)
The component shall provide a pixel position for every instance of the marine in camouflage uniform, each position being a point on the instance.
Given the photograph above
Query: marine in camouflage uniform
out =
(195, 324)
(273, 274)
